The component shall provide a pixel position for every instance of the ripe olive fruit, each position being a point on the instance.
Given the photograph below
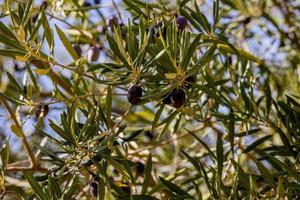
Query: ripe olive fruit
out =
(134, 94)
(181, 23)
(177, 97)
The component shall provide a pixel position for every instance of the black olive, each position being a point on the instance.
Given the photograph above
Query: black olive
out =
(181, 23)
(177, 98)
(134, 94)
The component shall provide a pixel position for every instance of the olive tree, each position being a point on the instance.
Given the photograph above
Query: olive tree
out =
(150, 99)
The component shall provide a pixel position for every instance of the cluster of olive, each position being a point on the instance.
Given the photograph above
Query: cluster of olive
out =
(177, 97)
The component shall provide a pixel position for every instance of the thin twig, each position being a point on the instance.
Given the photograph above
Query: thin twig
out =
(22, 136)
(18, 163)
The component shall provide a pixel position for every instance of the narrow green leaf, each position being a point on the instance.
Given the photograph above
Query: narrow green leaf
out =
(243, 177)
(211, 93)
(160, 186)
(133, 7)
(27, 10)
(6, 31)
(109, 105)
(117, 165)
(156, 58)
(114, 47)
(47, 31)
(248, 132)
(203, 143)
(231, 132)
(174, 188)
(207, 57)
(62, 133)
(157, 116)
(72, 189)
(220, 156)
(36, 186)
(66, 43)
(257, 142)
(15, 84)
(147, 175)
(36, 28)
(200, 17)
(54, 188)
(280, 193)
(291, 170)
(266, 175)
(5, 152)
(194, 162)
(32, 77)
(131, 136)
(12, 53)
(14, 43)
(216, 8)
(191, 51)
